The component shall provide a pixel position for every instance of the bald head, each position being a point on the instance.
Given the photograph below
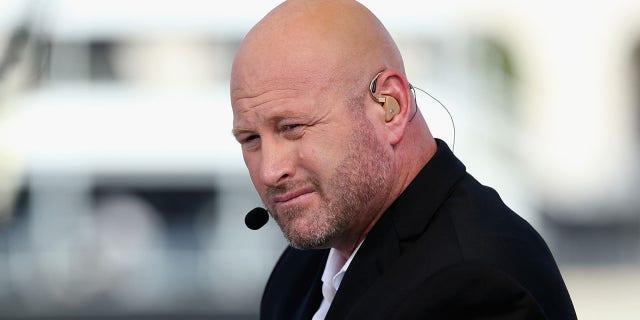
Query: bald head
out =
(335, 39)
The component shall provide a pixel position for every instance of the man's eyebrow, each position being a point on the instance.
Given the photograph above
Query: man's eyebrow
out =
(237, 131)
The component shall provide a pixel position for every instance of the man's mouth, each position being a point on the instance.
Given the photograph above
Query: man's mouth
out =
(291, 195)
(291, 198)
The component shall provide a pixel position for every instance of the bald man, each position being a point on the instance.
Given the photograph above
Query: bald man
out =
(382, 219)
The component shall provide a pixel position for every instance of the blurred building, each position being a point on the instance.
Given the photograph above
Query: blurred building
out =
(123, 193)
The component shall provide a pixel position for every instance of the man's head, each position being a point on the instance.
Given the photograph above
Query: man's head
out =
(323, 155)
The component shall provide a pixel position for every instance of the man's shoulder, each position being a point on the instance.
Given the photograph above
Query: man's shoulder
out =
(488, 235)
(481, 219)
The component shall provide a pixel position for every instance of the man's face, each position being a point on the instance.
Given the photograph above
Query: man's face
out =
(314, 158)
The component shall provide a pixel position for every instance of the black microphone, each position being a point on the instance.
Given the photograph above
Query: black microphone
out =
(256, 218)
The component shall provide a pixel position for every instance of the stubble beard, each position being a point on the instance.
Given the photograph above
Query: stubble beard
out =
(363, 173)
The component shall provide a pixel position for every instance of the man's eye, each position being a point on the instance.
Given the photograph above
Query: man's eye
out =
(249, 141)
(292, 131)
(250, 138)
(290, 127)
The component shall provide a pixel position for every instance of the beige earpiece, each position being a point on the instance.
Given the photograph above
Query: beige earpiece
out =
(389, 104)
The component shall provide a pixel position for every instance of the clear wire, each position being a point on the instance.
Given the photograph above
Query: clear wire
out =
(453, 124)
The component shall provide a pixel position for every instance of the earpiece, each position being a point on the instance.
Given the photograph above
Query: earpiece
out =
(391, 108)
(389, 104)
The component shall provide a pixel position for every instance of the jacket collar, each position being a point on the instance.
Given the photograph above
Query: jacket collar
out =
(412, 211)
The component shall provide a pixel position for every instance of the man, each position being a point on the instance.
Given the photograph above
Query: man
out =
(382, 219)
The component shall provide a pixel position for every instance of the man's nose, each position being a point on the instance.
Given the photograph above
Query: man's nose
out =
(278, 159)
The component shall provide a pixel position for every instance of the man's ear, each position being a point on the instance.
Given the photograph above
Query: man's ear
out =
(392, 91)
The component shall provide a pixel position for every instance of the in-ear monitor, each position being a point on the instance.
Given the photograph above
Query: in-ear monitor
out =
(389, 104)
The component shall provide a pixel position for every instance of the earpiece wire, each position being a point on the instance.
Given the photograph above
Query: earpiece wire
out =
(453, 124)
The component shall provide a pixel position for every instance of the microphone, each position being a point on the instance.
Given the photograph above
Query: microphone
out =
(256, 218)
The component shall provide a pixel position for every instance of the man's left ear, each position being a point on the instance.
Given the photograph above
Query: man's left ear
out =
(394, 94)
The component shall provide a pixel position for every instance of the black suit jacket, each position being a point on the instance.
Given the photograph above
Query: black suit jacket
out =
(448, 248)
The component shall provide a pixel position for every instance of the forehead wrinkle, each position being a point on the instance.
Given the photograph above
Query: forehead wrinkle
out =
(269, 109)
(281, 87)
(255, 84)
(272, 99)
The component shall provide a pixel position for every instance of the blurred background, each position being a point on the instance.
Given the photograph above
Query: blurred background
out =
(123, 192)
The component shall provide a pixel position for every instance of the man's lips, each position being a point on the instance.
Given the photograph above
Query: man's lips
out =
(286, 197)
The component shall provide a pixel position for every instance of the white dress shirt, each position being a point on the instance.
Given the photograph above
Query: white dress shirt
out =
(334, 271)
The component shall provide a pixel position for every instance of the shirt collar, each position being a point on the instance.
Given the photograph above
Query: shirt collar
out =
(335, 261)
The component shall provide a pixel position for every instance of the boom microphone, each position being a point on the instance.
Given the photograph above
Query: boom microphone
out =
(256, 218)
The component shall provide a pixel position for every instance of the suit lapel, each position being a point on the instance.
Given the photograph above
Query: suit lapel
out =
(311, 301)
(313, 298)
(380, 248)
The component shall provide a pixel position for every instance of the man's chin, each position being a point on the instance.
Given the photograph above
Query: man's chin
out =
(305, 239)
(308, 244)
